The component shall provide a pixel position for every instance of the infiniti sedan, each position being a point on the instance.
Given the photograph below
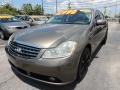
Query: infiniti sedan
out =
(58, 52)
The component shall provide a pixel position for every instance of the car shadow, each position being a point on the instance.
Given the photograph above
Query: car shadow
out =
(94, 55)
(44, 86)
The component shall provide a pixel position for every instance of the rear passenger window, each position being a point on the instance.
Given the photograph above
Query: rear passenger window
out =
(28, 18)
(22, 18)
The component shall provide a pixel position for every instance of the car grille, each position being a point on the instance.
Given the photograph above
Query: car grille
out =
(23, 51)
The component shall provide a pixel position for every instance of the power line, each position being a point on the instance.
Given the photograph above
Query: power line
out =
(84, 4)
(95, 3)
(56, 6)
(110, 5)
(87, 2)
(102, 4)
(69, 4)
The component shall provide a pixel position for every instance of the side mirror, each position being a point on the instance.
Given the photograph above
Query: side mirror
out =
(30, 20)
(101, 22)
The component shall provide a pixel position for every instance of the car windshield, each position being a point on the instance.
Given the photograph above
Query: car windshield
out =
(79, 17)
(6, 20)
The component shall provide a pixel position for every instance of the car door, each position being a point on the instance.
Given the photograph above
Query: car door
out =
(23, 18)
(99, 29)
(95, 32)
(29, 20)
(103, 28)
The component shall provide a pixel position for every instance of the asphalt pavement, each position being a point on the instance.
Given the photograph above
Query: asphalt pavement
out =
(103, 73)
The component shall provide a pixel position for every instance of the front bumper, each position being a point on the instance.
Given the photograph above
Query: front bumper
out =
(62, 70)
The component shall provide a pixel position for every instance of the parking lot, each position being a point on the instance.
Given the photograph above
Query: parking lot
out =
(103, 73)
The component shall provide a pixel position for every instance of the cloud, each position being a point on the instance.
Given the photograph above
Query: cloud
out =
(3, 2)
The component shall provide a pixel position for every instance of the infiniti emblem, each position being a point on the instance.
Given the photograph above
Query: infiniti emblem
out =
(18, 49)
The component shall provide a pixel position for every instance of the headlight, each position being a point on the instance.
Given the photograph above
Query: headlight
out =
(63, 50)
(10, 39)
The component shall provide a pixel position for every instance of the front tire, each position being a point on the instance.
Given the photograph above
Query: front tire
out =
(84, 63)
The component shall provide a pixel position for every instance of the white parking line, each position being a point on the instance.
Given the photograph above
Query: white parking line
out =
(2, 45)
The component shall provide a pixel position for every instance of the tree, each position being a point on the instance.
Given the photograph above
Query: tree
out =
(8, 9)
(27, 9)
(37, 10)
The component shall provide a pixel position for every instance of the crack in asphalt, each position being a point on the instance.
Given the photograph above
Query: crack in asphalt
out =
(6, 81)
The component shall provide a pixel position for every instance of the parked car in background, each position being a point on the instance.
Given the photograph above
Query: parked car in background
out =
(33, 20)
(10, 24)
(58, 52)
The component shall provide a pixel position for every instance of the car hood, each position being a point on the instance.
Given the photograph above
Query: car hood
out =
(15, 24)
(48, 35)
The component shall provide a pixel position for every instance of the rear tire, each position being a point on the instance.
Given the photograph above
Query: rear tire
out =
(84, 63)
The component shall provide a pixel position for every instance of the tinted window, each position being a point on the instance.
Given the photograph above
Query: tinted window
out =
(27, 18)
(5, 20)
(78, 18)
(22, 18)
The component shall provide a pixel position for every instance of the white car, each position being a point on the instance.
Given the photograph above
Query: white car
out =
(33, 20)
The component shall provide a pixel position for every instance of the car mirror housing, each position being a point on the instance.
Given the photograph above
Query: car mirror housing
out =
(101, 22)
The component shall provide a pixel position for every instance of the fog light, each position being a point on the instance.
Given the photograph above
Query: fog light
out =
(52, 79)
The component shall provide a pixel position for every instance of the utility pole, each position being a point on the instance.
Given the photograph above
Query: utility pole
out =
(116, 9)
(69, 5)
(42, 8)
(105, 11)
(56, 6)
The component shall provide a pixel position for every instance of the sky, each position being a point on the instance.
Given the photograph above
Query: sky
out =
(49, 5)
